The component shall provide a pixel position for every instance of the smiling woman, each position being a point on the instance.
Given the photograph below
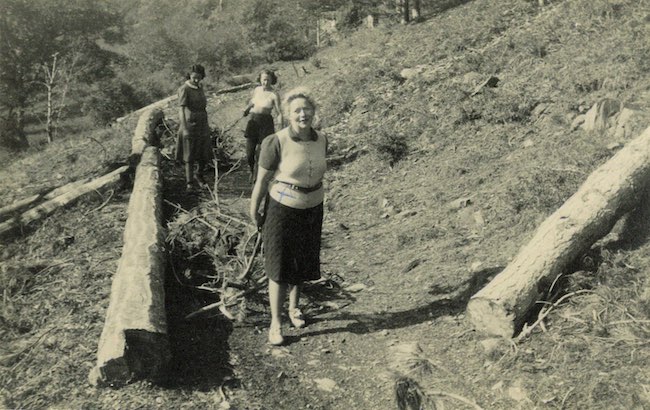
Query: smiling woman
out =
(193, 143)
(290, 173)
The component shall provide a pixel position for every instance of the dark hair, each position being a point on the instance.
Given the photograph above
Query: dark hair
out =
(271, 74)
(198, 68)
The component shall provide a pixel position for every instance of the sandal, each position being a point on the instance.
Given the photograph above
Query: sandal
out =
(297, 318)
(275, 335)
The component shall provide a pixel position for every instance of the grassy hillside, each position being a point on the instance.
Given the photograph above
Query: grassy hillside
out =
(425, 144)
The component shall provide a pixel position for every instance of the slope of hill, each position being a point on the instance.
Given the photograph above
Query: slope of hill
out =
(448, 180)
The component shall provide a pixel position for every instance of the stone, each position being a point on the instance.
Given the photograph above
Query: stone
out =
(600, 115)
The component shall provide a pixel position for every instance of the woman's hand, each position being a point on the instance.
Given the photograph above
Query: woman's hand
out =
(256, 218)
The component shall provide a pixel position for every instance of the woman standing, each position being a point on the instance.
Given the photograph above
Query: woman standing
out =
(263, 100)
(290, 173)
(193, 143)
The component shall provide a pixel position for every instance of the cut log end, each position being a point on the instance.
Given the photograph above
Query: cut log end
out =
(146, 355)
(490, 318)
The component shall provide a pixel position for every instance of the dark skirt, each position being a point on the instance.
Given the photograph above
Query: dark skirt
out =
(259, 126)
(292, 240)
(196, 147)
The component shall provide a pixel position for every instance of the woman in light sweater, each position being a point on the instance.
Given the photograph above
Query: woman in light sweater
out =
(290, 173)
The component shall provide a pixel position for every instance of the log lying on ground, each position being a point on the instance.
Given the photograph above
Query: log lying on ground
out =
(45, 194)
(156, 105)
(144, 134)
(613, 189)
(48, 207)
(19, 205)
(134, 341)
(235, 88)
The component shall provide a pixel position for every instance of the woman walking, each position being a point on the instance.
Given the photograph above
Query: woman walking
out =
(290, 173)
(193, 144)
(263, 101)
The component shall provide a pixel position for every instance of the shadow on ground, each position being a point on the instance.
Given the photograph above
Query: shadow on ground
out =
(200, 350)
(448, 303)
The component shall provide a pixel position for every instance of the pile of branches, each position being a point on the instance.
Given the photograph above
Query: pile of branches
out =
(216, 253)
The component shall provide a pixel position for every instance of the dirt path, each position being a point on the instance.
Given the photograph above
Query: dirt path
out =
(333, 363)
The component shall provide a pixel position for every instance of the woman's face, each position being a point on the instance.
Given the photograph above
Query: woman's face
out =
(195, 78)
(301, 114)
(265, 80)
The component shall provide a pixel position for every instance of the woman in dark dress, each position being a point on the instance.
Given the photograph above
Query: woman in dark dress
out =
(193, 143)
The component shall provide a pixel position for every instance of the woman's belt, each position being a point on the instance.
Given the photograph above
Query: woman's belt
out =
(258, 115)
(302, 189)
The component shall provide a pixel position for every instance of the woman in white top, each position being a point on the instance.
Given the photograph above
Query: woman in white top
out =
(290, 173)
(261, 105)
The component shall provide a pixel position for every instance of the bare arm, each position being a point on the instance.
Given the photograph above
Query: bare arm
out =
(276, 105)
(260, 189)
(250, 104)
(183, 120)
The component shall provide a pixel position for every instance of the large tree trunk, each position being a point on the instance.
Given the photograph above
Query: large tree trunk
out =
(134, 340)
(613, 189)
(145, 132)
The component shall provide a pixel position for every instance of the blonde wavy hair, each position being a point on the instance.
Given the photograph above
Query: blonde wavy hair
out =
(298, 92)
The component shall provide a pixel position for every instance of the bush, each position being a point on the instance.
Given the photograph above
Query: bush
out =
(112, 100)
(348, 17)
(390, 147)
(11, 136)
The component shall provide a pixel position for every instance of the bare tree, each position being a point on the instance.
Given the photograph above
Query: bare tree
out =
(415, 10)
(51, 72)
(58, 74)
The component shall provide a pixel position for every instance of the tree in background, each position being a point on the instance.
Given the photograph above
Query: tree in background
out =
(44, 45)
(278, 30)
(164, 38)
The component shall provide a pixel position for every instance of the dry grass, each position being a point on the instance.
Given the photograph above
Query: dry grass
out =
(515, 166)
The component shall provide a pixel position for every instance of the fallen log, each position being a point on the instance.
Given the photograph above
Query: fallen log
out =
(45, 194)
(145, 134)
(19, 205)
(235, 88)
(156, 105)
(612, 190)
(69, 196)
(134, 341)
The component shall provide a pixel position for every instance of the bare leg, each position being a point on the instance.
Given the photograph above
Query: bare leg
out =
(189, 172)
(251, 146)
(277, 294)
(295, 315)
(294, 297)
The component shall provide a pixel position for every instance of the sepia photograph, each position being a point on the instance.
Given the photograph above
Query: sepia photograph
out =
(325, 204)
